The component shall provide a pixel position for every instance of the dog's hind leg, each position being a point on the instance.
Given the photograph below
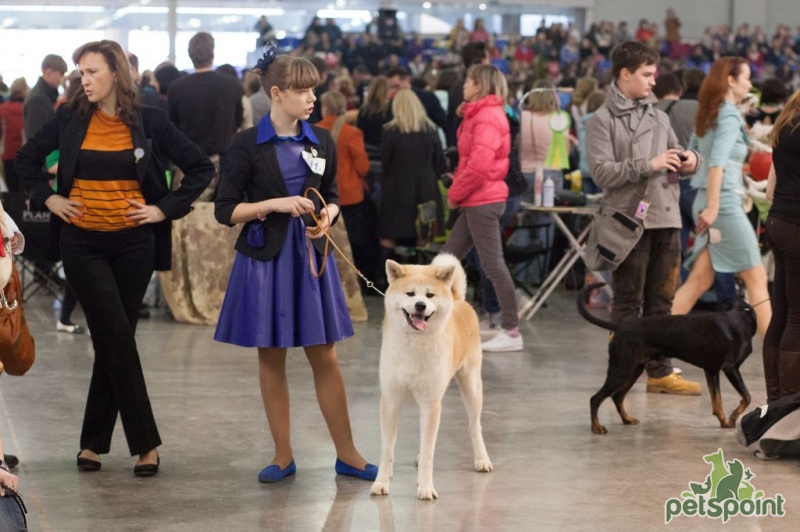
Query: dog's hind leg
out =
(471, 387)
(619, 396)
(430, 415)
(712, 378)
(738, 383)
(390, 420)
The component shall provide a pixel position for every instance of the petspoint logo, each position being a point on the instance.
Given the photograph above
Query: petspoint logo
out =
(727, 492)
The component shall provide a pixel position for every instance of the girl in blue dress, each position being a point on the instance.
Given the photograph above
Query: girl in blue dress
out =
(725, 241)
(273, 300)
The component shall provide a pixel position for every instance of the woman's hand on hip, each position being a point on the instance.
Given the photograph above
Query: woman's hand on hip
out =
(144, 214)
(64, 208)
(706, 219)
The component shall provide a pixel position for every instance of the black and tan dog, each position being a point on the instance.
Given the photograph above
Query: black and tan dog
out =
(714, 341)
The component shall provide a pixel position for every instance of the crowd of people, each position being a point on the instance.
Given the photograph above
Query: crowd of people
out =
(662, 128)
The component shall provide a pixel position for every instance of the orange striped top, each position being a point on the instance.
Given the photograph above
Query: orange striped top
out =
(106, 175)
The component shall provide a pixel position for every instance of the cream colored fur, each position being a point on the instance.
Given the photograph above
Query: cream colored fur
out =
(418, 360)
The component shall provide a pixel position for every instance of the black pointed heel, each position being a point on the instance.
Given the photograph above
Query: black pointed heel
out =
(87, 464)
(147, 470)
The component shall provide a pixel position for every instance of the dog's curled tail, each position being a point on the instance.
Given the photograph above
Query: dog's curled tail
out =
(459, 286)
(588, 316)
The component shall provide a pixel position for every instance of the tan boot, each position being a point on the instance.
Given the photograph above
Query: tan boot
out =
(672, 383)
(771, 357)
(789, 372)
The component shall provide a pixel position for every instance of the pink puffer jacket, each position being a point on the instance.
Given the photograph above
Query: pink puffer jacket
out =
(484, 142)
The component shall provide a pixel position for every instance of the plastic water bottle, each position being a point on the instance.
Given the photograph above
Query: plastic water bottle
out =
(538, 180)
(548, 196)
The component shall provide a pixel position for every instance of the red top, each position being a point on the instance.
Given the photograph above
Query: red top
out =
(11, 119)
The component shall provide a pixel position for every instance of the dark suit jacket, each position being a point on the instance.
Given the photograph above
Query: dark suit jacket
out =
(154, 134)
(251, 173)
(432, 107)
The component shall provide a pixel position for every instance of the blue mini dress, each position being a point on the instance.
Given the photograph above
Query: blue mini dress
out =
(279, 303)
(726, 146)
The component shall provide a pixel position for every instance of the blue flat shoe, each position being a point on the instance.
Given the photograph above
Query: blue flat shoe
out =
(274, 473)
(368, 473)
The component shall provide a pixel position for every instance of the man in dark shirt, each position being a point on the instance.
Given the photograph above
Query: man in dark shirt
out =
(206, 105)
(400, 78)
(472, 54)
(40, 103)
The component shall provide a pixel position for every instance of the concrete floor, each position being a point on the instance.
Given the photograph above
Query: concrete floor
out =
(550, 472)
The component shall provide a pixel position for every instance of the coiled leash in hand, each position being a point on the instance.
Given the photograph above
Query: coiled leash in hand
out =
(328, 242)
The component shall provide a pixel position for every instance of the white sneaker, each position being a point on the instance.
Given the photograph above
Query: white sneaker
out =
(502, 341)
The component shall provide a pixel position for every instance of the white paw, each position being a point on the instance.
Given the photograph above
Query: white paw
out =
(426, 493)
(380, 488)
(483, 465)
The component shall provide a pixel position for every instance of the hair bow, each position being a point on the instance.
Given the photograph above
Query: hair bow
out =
(269, 56)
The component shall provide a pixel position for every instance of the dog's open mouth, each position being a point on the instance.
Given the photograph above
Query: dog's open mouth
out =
(418, 321)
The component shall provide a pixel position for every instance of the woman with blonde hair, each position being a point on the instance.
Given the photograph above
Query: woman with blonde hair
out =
(376, 111)
(412, 159)
(577, 107)
(480, 191)
(782, 341)
(535, 131)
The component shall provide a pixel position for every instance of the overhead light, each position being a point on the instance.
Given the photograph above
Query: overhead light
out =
(426, 5)
(345, 13)
(139, 10)
(256, 12)
(482, 7)
(55, 9)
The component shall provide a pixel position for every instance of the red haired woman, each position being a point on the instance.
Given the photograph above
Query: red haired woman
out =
(725, 240)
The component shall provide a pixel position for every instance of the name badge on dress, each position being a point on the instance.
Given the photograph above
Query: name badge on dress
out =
(317, 164)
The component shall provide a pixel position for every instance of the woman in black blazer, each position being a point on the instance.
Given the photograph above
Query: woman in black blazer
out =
(276, 299)
(112, 210)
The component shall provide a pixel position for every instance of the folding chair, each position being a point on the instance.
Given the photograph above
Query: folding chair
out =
(37, 268)
(533, 249)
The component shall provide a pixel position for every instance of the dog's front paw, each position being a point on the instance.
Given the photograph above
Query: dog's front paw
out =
(426, 493)
(483, 465)
(380, 488)
(630, 421)
(599, 429)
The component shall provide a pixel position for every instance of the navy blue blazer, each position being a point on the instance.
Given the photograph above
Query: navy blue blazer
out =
(251, 173)
(158, 138)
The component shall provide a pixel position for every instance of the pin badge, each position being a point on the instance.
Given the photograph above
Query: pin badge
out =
(314, 152)
(138, 153)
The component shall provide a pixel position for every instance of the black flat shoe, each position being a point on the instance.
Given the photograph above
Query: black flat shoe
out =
(147, 470)
(11, 460)
(87, 464)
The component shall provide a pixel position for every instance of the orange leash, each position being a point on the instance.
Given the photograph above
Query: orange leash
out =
(328, 242)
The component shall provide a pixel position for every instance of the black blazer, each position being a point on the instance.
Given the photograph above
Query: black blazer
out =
(251, 173)
(153, 133)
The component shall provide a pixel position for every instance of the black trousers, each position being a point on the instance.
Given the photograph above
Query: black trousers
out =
(645, 284)
(109, 272)
(784, 328)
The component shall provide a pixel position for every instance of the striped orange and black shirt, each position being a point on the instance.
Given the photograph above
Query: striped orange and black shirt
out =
(106, 175)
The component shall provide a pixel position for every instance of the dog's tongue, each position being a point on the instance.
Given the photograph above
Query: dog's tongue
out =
(419, 322)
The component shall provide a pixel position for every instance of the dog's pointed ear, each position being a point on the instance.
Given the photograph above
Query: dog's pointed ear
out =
(394, 270)
(446, 274)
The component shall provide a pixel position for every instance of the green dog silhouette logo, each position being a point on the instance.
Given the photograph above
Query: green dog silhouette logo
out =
(726, 491)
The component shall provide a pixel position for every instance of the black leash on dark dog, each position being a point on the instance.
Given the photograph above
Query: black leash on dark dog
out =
(14, 494)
